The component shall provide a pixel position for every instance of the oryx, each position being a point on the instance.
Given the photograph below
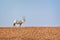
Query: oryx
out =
(20, 22)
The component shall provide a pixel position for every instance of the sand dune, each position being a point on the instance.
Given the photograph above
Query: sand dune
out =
(30, 33)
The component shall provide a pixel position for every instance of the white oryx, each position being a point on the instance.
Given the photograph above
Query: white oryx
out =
(20, 22)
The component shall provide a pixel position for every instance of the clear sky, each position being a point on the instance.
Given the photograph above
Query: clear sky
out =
(36, 12)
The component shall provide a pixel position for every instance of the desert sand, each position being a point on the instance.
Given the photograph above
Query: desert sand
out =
(30, 33)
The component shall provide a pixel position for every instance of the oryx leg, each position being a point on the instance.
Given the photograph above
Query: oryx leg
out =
(14, 24)
(20, 24)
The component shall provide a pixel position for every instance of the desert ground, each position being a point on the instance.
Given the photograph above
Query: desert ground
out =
(30, 33)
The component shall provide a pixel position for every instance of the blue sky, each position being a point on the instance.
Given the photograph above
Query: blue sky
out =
(36, 12)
